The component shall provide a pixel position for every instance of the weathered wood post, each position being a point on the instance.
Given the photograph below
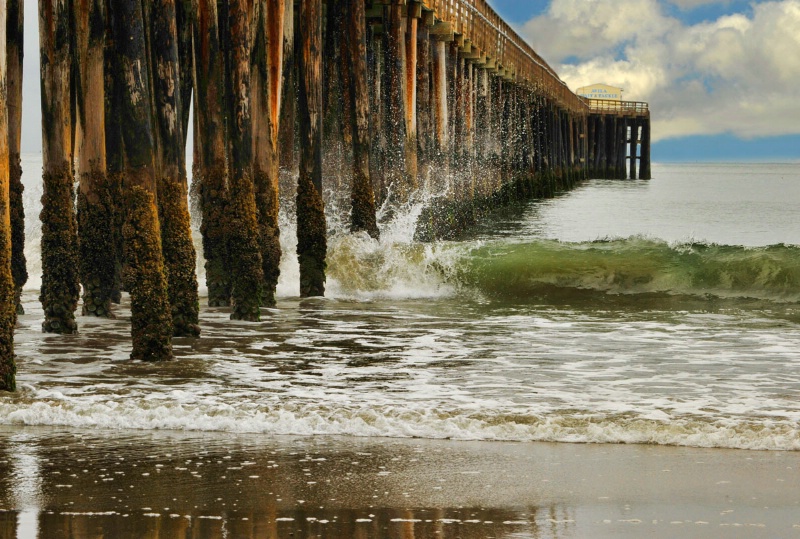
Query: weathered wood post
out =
(96, 205)
(60, 289)
(425, 135)
(376, 66)
(15, 28)
(440, 100)
(611, 147)
(413, 12)
(591, 148)
(622, 148)
(397, 165)
(459, 118)
(634, 142)
(482, 130)
(469, 128)
(267, 86)
(287, 136)
(143, 274)
(243, 240)
(8, 316)
(644, 164)
(185, 20)
(311, 228)
(172, 185)
(210, 172)
(362, 194)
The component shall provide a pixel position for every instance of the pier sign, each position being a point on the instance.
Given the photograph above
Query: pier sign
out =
(600, 91)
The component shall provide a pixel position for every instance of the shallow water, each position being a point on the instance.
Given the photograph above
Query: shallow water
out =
(660, 312)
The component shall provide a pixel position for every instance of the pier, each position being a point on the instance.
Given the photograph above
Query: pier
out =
(619, 137)
(381, 102)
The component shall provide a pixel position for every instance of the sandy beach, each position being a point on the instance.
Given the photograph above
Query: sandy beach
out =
(80, 483)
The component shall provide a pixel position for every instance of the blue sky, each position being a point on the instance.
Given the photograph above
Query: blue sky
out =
(722, 76)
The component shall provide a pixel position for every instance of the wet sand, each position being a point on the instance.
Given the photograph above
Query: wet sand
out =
(78, 483)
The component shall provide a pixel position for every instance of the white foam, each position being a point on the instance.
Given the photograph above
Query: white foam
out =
(389, 421)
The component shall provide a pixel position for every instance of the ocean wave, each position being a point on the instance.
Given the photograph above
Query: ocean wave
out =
(549, 270)
(782, 434)
(633, 266)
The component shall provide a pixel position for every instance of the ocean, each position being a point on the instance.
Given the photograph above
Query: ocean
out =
(662, 313)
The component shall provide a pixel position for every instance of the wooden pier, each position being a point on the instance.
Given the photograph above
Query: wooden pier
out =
(383, 101)
(619, 136)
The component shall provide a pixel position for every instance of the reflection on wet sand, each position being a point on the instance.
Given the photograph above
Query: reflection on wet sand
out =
(77, 485)
(343, 524)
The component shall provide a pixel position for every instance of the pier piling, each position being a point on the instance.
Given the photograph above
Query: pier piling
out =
(362, 195)
(60, 288)
(267, 95)
(143, 274)
(96, 205)
(209, 169)
(15, 29)
(172, 186)
(7, 292)
(243, 239)
(311, 230)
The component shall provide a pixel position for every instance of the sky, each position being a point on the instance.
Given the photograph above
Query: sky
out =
(722, 77)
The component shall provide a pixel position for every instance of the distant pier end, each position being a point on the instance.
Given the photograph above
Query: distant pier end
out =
(619, 136)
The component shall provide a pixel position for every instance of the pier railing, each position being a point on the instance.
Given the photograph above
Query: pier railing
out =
(486, 39)
(622, 108)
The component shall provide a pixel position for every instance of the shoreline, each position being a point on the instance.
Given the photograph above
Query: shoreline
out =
(62, 481)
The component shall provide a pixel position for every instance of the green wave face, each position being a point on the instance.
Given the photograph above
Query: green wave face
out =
(526, 271)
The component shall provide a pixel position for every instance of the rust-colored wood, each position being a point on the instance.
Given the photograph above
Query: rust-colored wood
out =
(410, 84)
(96, 200)
(311, 230)
(7, 300)
(15, 29)
(266, 90)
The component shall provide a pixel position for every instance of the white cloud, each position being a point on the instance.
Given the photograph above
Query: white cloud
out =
(691, 4)
(737, 74)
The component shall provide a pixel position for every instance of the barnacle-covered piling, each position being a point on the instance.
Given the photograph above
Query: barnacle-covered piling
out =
(60, 289)
(210, 172)
(172, 187)
(266, 91)
(96, 204)
(243, 241)
(15, 28)
(8, 367)
(143, 274)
